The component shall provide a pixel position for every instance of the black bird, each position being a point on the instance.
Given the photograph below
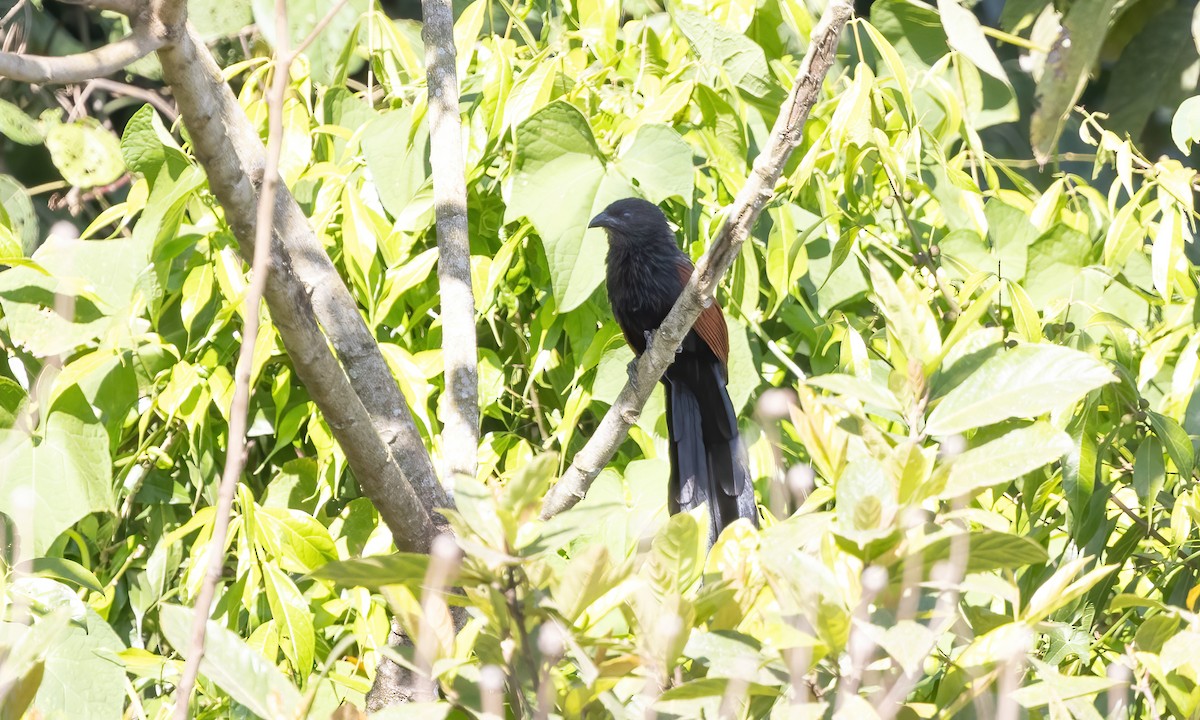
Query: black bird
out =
(646, 273)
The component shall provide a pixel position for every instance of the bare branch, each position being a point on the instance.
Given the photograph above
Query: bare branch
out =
(234, 452)
(759, 188)
(102, 61)
(460, 416)
(129, 8)
(119, 88)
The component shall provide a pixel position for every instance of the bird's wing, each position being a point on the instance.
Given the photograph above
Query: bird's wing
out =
(710, 326)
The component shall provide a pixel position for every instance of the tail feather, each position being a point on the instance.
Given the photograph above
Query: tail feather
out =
(689, 467)
(707, 465)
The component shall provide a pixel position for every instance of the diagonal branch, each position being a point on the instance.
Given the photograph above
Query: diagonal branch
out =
(750, 200)
(310, 306)
(460, 415)
(102, 61)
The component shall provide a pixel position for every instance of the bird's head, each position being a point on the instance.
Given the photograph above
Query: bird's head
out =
(633, 219)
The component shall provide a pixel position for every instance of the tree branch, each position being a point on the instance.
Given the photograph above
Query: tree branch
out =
(148, 96)
(759, 188)
(310, 306)
(460, 415)
(102, 61)
(129, 8)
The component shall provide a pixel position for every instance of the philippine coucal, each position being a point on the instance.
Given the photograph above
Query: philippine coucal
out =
(646, 273)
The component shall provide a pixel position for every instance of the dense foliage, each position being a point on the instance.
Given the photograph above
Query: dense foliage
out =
(969, 389)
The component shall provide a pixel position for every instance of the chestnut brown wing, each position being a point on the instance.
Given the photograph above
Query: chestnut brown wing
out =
(710, 326)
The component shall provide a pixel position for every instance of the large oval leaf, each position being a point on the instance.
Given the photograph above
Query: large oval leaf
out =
(560, 184)
(230, 663)
(1006, 458)
(1027, 381)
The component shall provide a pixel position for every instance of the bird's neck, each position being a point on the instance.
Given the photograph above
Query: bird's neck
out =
(642, 250)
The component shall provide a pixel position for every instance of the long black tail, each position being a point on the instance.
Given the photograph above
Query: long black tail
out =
(708, 463)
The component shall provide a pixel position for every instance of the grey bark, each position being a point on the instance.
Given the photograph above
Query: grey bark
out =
(460, 415)
(310, 306)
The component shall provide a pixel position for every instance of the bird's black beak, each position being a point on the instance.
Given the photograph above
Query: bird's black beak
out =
(603, 220)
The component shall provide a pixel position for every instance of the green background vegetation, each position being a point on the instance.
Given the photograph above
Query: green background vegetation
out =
(979, 483)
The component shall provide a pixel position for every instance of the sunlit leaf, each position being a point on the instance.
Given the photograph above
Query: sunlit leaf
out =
(1027, 381)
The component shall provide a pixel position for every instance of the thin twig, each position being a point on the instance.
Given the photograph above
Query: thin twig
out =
(1152, 532)
(119, 88)
(921, 253)
(104, 60)
(786, 135)
(318, 28)
(234, 455)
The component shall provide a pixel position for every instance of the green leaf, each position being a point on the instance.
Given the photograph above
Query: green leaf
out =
(85, 152)
(1025, 382)
(62, 569)
(19, 127)
(1176, 441)
(721, 49)
(919, 39)
(1056, 688)
(246, 676)
(909, 318)
(1149, 472)
(894, 65)
(1185, 126)
(82, 664)
(303, 543)
(865, 390)
(587, 577)
(786, 260)
(677, 553)
(1131, 94)
(1055, 260)
(866, 501)
(12, 400)
(1026, 319)
(373, 573)
(659, 162)
(560, 183)
(1155, 631)
(292, 616)
(733, 655)
(220, 18)
(88, 281)
(988, 550)
(115, 271)
(54, 484)
(1006, 458)
(397, 154)
(303, 15)
(1061, 588)
(1070, 60)
(20, 689)
(528, 486)
(965, 35)
(174, 185)
(146, 144)
(907, 641)
(22, 219)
